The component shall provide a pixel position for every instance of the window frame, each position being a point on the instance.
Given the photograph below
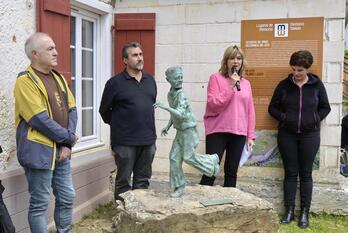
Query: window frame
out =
(93, 140)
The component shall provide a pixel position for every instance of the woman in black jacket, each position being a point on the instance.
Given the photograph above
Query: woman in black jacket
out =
(299, 103)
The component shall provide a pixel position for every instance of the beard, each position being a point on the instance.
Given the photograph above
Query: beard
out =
(139, 66)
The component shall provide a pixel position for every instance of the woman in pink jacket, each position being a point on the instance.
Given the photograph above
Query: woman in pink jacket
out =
(230, 115)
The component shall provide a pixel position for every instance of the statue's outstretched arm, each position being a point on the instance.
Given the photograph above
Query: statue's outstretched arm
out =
(165, 130)
(176, 113)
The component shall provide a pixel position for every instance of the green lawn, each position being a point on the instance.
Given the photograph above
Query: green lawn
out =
(322, 223)
(100, 220)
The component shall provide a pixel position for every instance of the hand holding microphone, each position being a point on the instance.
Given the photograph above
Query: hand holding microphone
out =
(237, 84)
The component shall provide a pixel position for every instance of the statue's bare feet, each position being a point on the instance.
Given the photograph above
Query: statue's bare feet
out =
(178, 192)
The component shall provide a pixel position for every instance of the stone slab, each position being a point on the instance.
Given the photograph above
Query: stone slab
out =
(145, 211)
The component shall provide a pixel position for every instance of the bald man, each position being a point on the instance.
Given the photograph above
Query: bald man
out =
(46, 120)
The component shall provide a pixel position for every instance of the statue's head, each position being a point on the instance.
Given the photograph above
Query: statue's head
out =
(174, 76)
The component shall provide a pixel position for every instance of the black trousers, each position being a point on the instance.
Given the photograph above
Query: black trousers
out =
(344, 132)
(136, 160)
(298, 152)
(6, 225)
(233, 145)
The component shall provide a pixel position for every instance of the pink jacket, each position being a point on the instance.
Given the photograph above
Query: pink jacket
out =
(229, 110)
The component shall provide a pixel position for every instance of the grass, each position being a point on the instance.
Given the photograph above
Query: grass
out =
(322, 223)
(101, 219)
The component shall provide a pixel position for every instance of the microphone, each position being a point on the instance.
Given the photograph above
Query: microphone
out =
(237, 84)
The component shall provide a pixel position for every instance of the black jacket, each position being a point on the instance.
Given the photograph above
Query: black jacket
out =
(299, 109)
(127, 106)
(6, 225)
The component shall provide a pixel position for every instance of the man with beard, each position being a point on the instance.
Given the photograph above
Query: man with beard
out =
(127, 106)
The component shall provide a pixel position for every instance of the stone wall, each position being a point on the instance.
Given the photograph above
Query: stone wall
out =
(17, 22)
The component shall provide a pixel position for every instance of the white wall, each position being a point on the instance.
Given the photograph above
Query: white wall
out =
(346, 36)
(194, 34)
(17, 22)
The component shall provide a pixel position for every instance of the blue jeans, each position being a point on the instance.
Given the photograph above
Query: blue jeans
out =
(39, 184)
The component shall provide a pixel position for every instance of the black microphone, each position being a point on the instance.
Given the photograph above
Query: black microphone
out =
(237, 84)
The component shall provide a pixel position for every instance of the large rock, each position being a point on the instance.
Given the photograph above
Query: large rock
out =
(150, 211)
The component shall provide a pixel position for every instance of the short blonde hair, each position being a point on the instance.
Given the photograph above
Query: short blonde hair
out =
(230, 53)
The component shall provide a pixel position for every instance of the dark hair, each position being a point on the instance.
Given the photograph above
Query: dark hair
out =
(301, 58)
(132, 44)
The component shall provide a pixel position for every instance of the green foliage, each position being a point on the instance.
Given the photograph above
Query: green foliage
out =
(345, 103)
(103, 211)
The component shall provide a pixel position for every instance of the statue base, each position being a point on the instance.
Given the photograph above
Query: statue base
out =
(203, 209)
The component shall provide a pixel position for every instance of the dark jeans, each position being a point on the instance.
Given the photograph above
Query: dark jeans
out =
(298, 152)
(136, 160)
(233, 144)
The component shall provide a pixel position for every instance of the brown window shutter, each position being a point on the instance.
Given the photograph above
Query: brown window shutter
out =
(53, 18)
(135, 27)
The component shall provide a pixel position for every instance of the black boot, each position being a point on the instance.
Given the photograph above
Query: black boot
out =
(303, 221)
(289, 215)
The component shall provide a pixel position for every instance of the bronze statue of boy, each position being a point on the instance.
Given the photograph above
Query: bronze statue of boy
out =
(186, 138)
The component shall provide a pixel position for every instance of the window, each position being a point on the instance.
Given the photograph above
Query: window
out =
(84, 50)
